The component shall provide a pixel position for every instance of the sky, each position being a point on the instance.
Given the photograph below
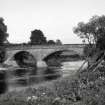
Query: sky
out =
(56, 18)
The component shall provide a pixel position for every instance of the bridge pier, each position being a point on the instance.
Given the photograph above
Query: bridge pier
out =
(41, 64)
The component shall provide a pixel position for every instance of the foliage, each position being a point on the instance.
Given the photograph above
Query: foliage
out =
(101, 42)
(51, 42)
(3, 32)
(37, 37)
(89, 50)
(93, 31)
(2, 54)
(58, 42)
(3, 39)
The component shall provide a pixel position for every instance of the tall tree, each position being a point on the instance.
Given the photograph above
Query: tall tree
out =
(58, 42)
(3, 32)
(3, 39)
(93, 31)
(37, 37)
(50, 42)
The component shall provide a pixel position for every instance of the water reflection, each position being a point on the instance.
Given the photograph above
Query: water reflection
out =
(30, 76)
(52, 73)
(3, 82)
(26, 77)
(13, 78)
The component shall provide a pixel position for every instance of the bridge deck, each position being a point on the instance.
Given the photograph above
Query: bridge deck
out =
(20, 47)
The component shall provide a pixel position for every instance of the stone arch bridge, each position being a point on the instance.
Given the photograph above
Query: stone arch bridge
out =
(39, 52)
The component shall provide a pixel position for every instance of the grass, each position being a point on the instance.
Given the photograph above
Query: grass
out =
(83, 88)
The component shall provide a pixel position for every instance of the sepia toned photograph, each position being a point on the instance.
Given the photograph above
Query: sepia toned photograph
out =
(52, 52)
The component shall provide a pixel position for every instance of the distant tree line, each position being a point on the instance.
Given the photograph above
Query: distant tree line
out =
(38, 38)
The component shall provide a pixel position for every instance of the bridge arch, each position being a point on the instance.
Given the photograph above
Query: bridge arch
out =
(59, 53)
(24, 58)
(53, 54)
(55, 58)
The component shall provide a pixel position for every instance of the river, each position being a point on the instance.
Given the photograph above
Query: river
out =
(71, 67)
(20, 78)
(26, 77)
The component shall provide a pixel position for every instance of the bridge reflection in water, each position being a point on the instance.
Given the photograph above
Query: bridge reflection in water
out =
(20, 78)
(14, 78)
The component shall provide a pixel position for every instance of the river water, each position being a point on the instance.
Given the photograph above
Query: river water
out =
(67, 68)
(71, 67)
(24, 78)
(28, 77)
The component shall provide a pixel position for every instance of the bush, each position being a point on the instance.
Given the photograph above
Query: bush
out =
(2, 54)
(89, 50)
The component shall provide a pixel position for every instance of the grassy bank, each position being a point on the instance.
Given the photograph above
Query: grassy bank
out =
(83, 88)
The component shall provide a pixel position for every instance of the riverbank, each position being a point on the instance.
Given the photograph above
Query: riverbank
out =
(86, 87)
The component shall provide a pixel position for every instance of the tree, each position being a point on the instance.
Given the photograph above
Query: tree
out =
(101, 39)
(3, 39)
(92, 30)
(2, 54)
(83, 30)
(50, 42)
(3, 32)
(37, 37)
(58, 42)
